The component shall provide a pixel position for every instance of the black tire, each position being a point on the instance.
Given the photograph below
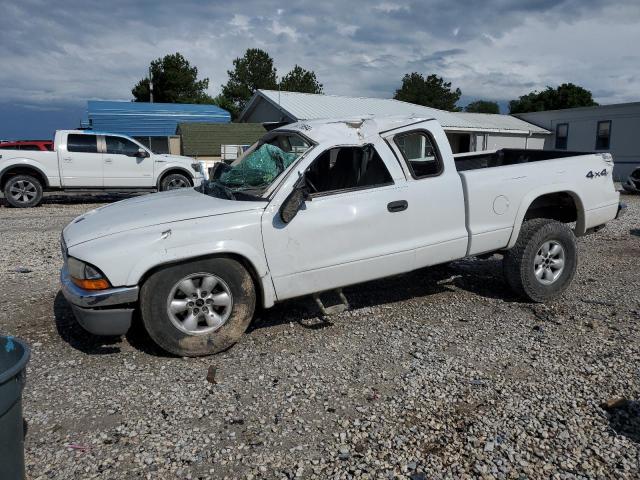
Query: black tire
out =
(154, 298)
(518, 263)
(30, 187)
(174, 181)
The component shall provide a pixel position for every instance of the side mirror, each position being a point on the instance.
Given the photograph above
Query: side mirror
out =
(141, 153)
(290, 207)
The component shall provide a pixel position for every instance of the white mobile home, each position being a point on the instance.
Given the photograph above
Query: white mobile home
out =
(606, 128)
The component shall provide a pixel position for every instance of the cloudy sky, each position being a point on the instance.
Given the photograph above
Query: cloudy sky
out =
(54, 58)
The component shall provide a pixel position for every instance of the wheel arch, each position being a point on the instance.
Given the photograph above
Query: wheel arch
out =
(23, 169)
(554, 202)
(264, 289)
(171, 170)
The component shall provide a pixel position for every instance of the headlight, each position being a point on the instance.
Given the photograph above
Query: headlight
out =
(197, 167)
(86, 276)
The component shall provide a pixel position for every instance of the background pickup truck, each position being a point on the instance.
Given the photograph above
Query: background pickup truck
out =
(317, 206)
(85, 160)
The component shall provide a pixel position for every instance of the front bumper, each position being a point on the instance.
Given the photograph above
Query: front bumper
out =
(101, 312)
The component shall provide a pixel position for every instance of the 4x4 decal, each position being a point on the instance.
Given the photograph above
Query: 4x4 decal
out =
(593, 174)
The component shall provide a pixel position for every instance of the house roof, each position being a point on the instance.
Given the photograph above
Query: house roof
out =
(308, 106)
(595, 108)
(204, 139)
(139, 119)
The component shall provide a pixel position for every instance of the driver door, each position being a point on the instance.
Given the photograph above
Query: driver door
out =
(352, 228)
(122, 165)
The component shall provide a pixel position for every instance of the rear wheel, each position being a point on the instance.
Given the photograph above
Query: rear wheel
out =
(543, 262)
(23, 191)
(198, 308)
(174, 181)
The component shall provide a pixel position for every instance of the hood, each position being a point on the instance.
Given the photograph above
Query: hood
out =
(148, 210)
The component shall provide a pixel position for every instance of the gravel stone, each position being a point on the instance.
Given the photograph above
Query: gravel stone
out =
(441, 373)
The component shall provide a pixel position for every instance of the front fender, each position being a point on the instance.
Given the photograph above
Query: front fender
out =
(125, 258)
(531, 196)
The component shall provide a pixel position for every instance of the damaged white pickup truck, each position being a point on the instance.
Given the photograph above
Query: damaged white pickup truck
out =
(320, 205)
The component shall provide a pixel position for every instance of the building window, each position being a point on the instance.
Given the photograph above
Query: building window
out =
(562, 135)
(603, 135)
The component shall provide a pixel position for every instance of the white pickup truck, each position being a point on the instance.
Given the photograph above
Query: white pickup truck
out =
(86, 160)
(320, 205)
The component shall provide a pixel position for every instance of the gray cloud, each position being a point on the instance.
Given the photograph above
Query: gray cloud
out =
(495, 49)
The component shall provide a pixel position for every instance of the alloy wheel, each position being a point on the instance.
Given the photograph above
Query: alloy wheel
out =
(549, 262)
(199, 304)
(23, 191)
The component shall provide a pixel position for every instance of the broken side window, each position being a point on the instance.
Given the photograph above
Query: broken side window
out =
(347, 168)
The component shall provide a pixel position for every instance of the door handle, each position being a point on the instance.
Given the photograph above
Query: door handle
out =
(108, 160)
(67, 159)
(397, 206)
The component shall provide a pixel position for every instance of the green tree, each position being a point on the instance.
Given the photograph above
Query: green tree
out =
(482, 106)
(566, 95)
(300, 80)
(432, 91)
(223, 102)
(174, 81)
(255, 70)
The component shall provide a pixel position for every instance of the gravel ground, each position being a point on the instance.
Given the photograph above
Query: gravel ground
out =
(440, 373)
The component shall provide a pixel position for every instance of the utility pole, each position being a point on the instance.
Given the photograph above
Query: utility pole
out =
(150, 85)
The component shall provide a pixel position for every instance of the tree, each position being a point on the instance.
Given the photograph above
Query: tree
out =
(174, 81)
(255, 70)
(566, 95)
(432, 91)
(482, 106)
(223, 102)
(300, 80)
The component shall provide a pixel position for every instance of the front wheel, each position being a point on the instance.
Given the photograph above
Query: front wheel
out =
(198, 308)
(543, 262)
(174, 181)
(23, 191)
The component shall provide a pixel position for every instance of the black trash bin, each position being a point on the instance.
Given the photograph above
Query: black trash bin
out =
(14, 356)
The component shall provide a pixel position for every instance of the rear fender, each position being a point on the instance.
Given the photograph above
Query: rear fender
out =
(27, 164)
(530, 197)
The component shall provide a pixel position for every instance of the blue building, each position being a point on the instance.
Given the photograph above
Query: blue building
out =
(152, 124)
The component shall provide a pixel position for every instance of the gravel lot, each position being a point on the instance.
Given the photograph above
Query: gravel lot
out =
(441, 373)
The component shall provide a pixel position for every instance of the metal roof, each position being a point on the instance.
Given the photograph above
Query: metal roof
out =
(594, 108)
(308, 106)
(138, 119)
(205, 139)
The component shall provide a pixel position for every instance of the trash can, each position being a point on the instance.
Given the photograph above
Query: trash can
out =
(14, 356)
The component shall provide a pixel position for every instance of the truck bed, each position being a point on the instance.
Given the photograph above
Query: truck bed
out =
(507, 156)
(496, 198)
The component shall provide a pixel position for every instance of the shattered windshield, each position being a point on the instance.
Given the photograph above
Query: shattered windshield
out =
(250, 176)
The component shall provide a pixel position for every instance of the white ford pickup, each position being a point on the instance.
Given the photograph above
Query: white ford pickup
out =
(86, 160)
(316, 206)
